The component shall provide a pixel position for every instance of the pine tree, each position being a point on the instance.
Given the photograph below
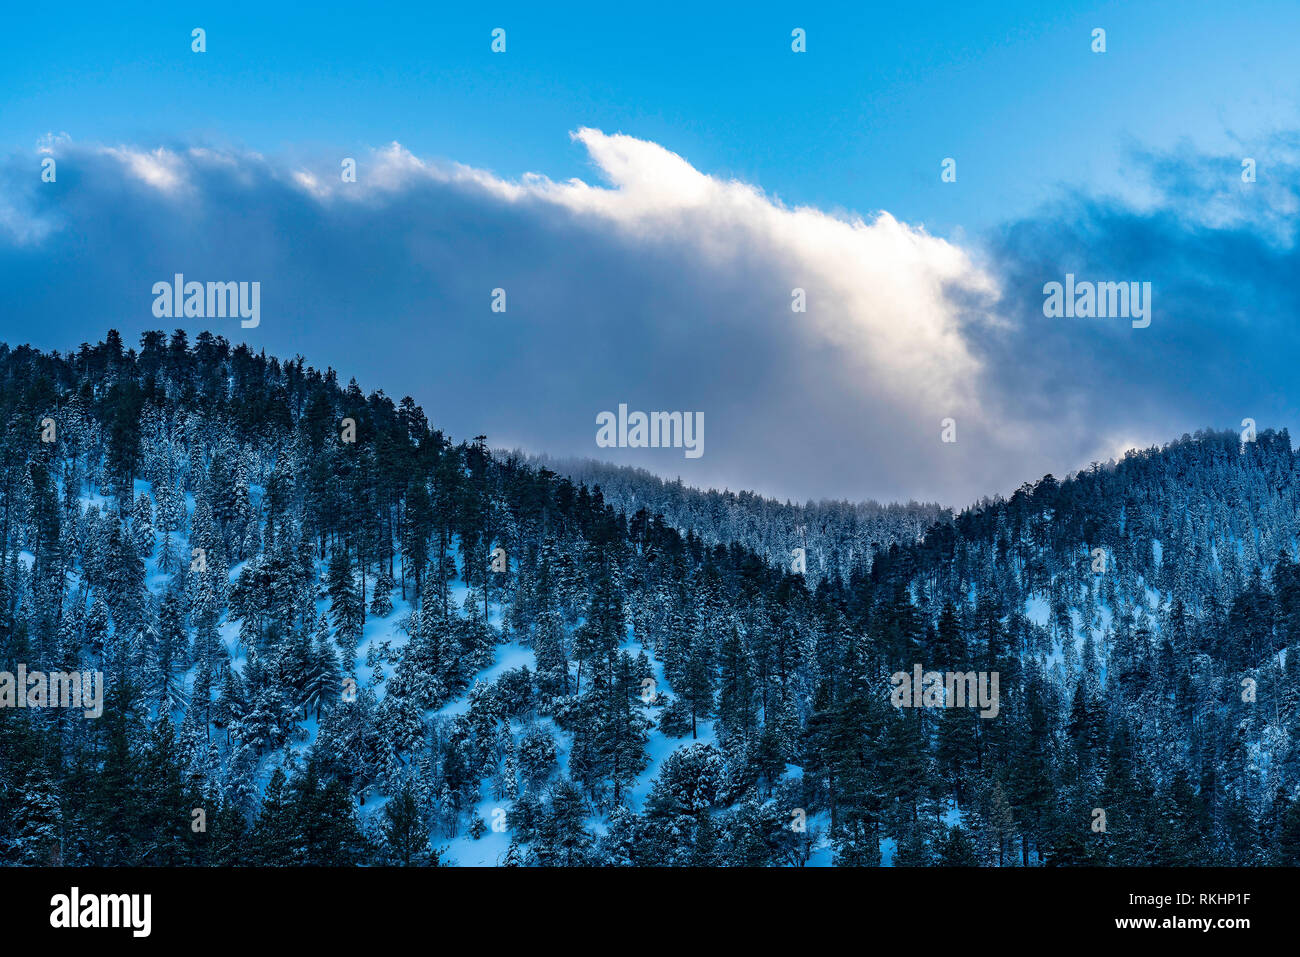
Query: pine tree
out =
(405, 839)
(273, 832)
(346, 608)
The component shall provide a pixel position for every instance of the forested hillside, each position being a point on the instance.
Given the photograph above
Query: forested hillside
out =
(330, 634)
(841, 537)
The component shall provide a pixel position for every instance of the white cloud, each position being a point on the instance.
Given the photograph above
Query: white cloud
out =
(160, 168)
(885, 294)
(656, 284)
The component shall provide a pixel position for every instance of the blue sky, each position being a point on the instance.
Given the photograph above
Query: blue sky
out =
(650, 186)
